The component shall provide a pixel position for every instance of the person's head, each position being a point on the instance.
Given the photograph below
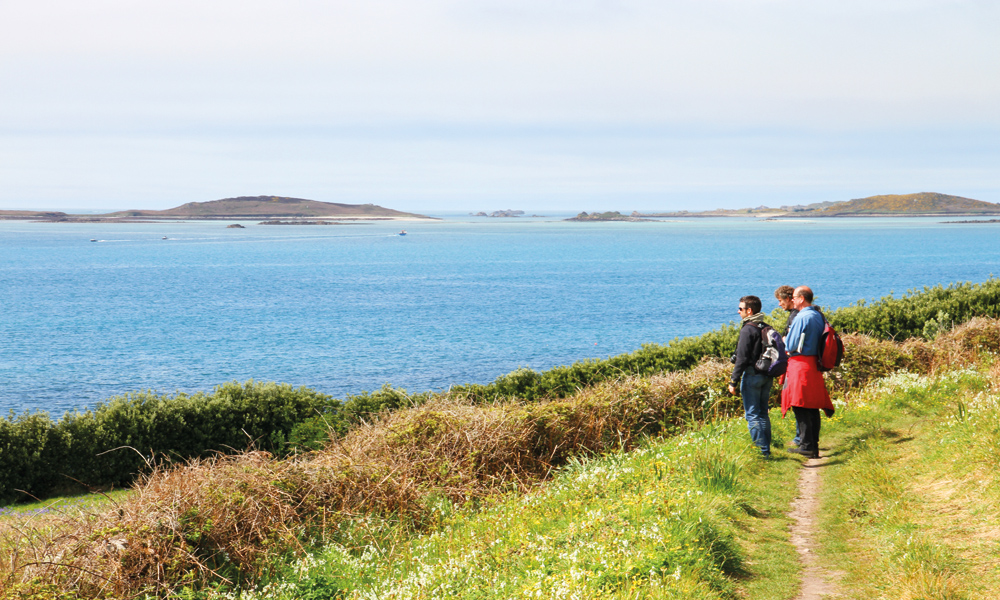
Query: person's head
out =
(784, 295)
(802, 297)
(749, 305)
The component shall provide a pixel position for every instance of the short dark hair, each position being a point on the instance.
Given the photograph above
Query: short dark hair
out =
(805, 292)
(785, 292)
(751, 302)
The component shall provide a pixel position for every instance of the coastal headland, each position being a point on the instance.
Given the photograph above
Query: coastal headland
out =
(923, 204)
(243, 207)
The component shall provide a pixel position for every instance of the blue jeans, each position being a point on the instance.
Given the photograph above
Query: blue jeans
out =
(755, 390)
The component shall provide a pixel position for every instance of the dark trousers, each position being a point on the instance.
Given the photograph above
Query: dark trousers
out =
(807, 422)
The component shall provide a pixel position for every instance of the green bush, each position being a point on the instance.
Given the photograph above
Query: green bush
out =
(111, 444)
(560, 382)
(364, 406)
(908, 316)
(867, 358)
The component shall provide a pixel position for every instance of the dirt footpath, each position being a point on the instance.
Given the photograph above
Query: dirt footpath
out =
(817, 582)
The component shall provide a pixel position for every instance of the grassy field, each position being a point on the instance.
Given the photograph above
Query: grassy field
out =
(912, 497)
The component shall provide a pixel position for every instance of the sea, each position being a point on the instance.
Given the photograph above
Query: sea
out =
(185, 306)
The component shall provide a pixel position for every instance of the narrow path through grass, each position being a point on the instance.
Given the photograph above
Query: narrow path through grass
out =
(817, 580)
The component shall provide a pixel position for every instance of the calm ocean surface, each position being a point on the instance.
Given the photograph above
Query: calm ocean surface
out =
(348, 308)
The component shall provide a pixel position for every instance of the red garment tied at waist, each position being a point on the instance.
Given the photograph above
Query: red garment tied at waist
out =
(804, 386)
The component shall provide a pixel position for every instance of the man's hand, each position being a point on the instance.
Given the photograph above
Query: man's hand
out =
(732, 389)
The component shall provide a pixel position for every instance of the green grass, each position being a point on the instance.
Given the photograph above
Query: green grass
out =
(699, 515)
(61, 506)
(911, 494)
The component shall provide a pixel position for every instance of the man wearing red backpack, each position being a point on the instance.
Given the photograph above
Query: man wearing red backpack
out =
(804, 391)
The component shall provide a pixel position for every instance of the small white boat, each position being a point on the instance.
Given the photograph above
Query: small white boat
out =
(403, 232)
(164, 238)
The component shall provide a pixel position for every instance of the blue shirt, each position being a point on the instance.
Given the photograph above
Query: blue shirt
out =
(810, 322)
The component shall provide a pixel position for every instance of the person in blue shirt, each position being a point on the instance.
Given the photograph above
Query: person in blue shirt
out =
(784, 297)
(805, 391)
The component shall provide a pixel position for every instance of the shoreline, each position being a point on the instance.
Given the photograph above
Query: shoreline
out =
(782, 215)
(147, 220)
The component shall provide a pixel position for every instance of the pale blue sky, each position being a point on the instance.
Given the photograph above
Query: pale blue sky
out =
(537, 105)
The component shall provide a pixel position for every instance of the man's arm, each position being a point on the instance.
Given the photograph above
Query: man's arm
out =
(744, 354)
(795, 331)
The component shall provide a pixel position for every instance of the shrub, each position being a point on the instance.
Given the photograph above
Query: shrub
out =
(965, 342)
(560, 382)
(111, 444)
(906, 317)
(867, 358)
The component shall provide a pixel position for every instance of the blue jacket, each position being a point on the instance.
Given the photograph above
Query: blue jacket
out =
(808, 321)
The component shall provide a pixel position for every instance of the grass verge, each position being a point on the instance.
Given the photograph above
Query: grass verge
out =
(911, 494)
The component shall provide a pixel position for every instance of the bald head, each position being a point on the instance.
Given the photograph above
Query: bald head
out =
(804, 293)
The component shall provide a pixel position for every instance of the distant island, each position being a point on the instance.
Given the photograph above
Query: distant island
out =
(979, 221)
(243, 207)
(301, 222)
(893, 205)
(499, 213)
(613, 215)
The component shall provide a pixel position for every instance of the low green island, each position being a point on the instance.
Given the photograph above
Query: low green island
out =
(613, 215)
(243, 207)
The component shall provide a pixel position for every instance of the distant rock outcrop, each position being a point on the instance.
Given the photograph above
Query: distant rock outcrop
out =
(613, 215)
(499, 213)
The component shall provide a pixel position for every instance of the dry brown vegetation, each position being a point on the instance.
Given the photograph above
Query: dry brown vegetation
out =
(230, 518)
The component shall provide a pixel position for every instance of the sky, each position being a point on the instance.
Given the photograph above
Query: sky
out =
(540, 105)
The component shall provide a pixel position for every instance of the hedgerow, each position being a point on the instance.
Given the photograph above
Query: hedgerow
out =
(110, 444)
(910, 315)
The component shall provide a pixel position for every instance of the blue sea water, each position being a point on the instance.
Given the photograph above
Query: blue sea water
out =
(348, 308)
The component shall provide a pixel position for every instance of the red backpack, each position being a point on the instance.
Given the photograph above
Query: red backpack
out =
(831, 348)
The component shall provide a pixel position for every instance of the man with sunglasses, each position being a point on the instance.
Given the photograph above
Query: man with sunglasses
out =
(754, 387)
